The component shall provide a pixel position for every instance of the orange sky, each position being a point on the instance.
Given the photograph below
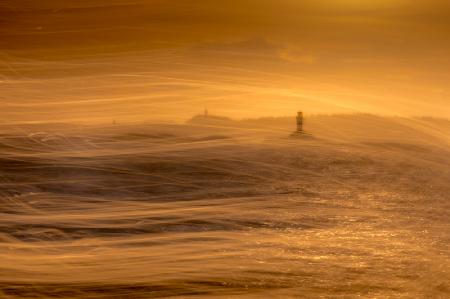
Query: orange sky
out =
(133, 60)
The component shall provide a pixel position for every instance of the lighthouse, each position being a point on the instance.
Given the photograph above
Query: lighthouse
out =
(299, 132)
(300, 123)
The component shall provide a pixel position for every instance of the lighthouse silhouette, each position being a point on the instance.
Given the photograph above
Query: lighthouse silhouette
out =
(300, 123)
(300, 132)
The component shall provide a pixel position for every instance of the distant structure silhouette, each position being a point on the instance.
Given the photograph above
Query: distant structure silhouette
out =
(300, 122)
(300, 132)
(206, 118)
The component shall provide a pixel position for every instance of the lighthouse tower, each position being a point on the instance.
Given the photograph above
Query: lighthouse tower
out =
(299, 132)
(300, 123)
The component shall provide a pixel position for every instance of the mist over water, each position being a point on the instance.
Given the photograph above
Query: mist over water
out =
(136, 60)
(106, 191)
(226, 209)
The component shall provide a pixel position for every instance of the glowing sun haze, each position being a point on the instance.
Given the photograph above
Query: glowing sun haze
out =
(135, 60)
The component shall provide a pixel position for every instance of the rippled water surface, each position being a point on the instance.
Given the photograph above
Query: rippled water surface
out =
(152, 213)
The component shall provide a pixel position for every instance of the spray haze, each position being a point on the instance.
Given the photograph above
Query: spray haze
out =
(245, 149)
(150, 58)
